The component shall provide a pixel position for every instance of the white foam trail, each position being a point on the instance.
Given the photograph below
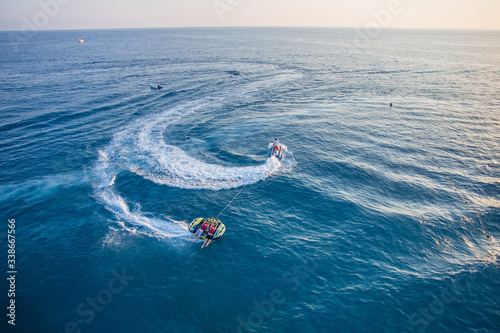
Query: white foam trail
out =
(141, 148)
(36, 188)
(287, 161)
(106, 193)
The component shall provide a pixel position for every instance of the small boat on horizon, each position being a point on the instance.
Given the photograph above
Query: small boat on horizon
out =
(81, 41)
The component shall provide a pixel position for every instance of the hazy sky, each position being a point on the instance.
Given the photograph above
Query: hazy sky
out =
(95, 14)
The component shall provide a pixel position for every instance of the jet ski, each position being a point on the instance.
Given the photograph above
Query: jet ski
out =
(277, 151)
(156, 87)
(198, 222)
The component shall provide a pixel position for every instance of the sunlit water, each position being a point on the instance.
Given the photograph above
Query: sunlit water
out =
(376, 219)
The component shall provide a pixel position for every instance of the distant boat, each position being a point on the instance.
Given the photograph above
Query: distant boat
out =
(156, 86)
(81, 41)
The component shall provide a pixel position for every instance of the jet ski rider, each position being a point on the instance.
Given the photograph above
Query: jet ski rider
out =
(276, 144)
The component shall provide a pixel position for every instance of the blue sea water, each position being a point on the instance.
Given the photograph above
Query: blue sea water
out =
(377, 219)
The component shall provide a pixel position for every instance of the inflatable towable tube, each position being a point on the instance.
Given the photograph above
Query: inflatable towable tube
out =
(197, 223)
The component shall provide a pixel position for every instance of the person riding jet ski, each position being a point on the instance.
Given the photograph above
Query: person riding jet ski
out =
(276, 150)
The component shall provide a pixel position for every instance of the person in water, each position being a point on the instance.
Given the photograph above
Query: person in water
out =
(200, 230)
(210, 234)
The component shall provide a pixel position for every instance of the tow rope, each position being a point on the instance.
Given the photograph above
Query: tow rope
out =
(231, 201)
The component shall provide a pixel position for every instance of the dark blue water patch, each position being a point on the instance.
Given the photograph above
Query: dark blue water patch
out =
(448, 302)
(234, 73)
(490, 220)
(374, 209)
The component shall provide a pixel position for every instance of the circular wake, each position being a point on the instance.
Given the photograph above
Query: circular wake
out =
(141, 148)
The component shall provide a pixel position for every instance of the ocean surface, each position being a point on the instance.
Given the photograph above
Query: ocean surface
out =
(377, 219)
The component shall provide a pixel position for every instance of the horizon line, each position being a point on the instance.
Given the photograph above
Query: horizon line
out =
(252, 26)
